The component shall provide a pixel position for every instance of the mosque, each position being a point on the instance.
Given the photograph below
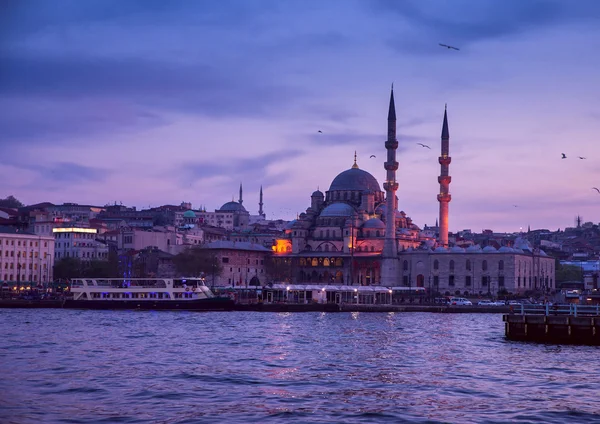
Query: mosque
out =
(354, 234)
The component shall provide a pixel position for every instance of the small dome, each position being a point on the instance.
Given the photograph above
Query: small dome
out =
(473, 249)
(457, 249)
(290, 224)
(506, 249)
(440, 249)
(338, 209)
(317, 193)
(542, 253)
(232, 207)
(489, 249)
(374, 223)
(355, 179)
(189, 214)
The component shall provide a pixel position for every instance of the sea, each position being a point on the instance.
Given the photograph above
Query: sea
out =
(77, 366)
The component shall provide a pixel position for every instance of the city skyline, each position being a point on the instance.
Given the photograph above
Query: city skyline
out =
(149, 103)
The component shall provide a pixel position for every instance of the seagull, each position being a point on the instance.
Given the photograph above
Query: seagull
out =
(372, 156)
(516, 206)
(448, 47)
(424, 145)
(320, 131)
(595, 188)
(580, 157)
(563, 156)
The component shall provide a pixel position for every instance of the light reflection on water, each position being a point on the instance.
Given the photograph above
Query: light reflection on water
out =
(104, 366)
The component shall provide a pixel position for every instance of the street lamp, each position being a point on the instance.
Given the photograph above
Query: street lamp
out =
(356, 295)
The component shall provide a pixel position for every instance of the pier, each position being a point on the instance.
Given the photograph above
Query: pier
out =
(558, 324)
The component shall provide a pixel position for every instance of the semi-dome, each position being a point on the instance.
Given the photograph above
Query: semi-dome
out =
(355, 179)
(232, 207)
(189, 214)
(317, 193)
(374, 223)
(338, 209)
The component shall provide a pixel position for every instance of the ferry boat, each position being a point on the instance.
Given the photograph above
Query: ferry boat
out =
(189, 294)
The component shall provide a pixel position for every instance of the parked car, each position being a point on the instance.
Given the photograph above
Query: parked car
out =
(486, 303)
(460, 301)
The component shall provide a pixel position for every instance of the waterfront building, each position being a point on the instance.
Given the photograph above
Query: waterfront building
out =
(243, 264)
(355, 234)
(79, 242)
(25, 258)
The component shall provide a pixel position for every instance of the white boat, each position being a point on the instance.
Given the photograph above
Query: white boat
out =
(145, 293)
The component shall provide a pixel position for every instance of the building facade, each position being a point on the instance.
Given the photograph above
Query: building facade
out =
(243, 264)
(25, 258)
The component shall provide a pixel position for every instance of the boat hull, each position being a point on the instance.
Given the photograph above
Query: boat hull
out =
(210, 304)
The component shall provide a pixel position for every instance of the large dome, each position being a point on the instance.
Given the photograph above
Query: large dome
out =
(355, 179)
(232, 207)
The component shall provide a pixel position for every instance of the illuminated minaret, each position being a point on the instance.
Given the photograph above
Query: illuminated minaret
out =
(444, 180)
(260, 204)
(240, 201)
(389, 262)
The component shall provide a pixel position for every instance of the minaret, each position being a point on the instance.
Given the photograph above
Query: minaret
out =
(444, 180)
(240, 201)
(389, 262)
(260, 204)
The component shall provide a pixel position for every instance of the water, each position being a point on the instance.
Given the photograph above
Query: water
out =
(65, 366)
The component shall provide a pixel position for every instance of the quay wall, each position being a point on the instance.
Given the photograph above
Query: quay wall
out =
(555, 329)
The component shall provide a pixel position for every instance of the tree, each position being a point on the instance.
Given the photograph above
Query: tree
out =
(568, 273)
(196, 261)
(11, 202)
(67, 268)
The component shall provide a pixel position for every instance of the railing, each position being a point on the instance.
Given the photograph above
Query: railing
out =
(570, 309)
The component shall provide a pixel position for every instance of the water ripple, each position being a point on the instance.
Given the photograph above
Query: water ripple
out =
(61, 366)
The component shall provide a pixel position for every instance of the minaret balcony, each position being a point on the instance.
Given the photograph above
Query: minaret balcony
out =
(444, 179)
(390, 186)
(444, 198)
(391, 166)
(445, 160)
(391, 144)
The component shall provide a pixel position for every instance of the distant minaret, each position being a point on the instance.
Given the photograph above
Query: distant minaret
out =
(389, 262)
(240, 201)
(260, 204)
(444, 180)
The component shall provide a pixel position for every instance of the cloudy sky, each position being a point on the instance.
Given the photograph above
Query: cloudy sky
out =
(153, 102)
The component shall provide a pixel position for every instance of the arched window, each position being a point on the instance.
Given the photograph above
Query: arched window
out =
(436, 264)
(368, 233)
(377, 234)
(326, 261)
(484, 265)
(468, 266)
(451, 265)
(501, 265)
(405, 266)
(372, 248)
(345, 195)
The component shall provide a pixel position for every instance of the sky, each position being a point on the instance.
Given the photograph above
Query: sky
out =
(152, 102)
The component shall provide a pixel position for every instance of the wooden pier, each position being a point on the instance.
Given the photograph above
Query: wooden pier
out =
(567, 324)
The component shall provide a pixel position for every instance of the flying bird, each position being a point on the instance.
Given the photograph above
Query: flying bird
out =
(595, 188)
(516, 206)
(581, 157)
(563, 156)
(449, 47)
(424, 145)
(320, 131)
(372, 156)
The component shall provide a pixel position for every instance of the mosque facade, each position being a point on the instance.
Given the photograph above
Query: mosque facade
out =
(355, 234)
